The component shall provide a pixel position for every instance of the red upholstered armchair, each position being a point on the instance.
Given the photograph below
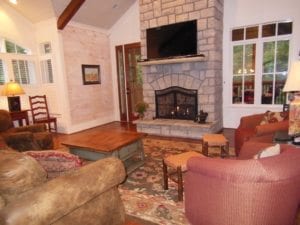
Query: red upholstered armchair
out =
(251, 128)
(249, 192)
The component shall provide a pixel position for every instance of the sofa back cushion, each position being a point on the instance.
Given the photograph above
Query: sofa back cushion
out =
(5, 120)
(18, 174)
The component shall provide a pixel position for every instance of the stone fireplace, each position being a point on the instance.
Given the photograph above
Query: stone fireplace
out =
(202, 74)
(176, 103)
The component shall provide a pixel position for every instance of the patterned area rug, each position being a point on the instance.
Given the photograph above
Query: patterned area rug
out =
(143, 194)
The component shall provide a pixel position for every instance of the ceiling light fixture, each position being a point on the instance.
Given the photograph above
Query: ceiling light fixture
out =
(13, 2)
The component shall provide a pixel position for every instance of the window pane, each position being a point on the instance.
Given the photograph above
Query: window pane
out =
(238, 34)
(268, 30)
(252, 32)
(2, 78)
(250, 59)
(237, 89)
(238, 59)
(285, 28)
(249, 90)
(20, 50)
(10, 47)
(282, 56)
(267, 89)
(268, 57)
(279, 94)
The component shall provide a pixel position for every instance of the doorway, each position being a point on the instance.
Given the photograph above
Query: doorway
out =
(130, 84)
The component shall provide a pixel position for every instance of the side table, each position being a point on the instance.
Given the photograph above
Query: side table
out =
(20, 116)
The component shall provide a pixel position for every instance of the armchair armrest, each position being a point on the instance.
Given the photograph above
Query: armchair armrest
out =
(62, 195)
(271, 128)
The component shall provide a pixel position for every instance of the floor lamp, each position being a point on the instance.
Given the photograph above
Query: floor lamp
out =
(12, 90)
(293, 85)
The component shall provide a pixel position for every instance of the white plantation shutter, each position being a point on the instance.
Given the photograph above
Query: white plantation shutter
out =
(2, 78)
(21, 71)
(47, 73)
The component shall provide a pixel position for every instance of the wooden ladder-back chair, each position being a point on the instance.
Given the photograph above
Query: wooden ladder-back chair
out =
(40, 112)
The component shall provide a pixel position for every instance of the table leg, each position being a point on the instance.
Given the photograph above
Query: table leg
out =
(165, 174)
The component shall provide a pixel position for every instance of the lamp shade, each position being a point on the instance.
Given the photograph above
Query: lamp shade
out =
(293, 80)
(12, 88)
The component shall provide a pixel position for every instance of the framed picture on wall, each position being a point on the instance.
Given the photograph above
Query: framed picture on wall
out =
(90, 74)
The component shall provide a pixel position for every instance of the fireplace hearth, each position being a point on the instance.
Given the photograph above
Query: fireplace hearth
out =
(176, 103)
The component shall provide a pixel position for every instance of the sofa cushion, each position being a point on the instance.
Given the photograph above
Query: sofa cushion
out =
(267, 152)
(18, 173)
(274, 117)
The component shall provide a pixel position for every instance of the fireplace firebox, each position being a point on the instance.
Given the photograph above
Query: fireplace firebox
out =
(176, 103)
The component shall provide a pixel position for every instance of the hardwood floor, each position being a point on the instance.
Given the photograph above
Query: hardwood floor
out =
(129, 127)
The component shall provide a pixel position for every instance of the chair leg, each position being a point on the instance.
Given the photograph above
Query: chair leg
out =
(165, 174)
(205, 148)
(180, 184)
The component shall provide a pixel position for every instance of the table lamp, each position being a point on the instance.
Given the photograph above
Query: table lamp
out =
(293, 85)
(11, 90)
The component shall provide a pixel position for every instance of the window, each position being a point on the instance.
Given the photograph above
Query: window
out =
(46, 63)
(47, 75)
(19, 61)
(260, 63)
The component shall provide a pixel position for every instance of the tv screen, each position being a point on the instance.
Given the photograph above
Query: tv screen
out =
(179, 39)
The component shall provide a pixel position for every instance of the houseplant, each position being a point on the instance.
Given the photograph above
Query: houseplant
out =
(141, 108)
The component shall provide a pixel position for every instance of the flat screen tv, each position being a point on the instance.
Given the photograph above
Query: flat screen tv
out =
(179, 39)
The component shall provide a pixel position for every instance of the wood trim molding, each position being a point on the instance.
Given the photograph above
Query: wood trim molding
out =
(68, 13)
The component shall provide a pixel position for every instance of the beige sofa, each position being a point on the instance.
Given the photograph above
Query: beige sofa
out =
(88, 195)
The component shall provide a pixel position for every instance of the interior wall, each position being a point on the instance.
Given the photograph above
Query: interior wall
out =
(90, 105)
(242, 13)
(18, 29)
(125, 30)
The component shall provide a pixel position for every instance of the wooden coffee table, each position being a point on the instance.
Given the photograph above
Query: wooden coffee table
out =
(126, 146)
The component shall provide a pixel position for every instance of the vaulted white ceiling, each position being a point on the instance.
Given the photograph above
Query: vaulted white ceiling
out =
(99, 13)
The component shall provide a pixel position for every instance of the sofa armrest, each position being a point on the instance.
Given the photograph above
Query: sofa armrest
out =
(40, 127)
(62, 195)
(271, 128)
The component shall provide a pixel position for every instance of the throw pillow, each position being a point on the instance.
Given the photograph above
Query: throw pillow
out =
(270, 151)
(274, 117)
(18, 174)
(55, 162)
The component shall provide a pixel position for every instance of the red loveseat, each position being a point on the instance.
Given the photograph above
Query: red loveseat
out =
(249, 192)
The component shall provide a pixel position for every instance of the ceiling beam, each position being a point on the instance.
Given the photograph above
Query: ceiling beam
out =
(68, 13)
